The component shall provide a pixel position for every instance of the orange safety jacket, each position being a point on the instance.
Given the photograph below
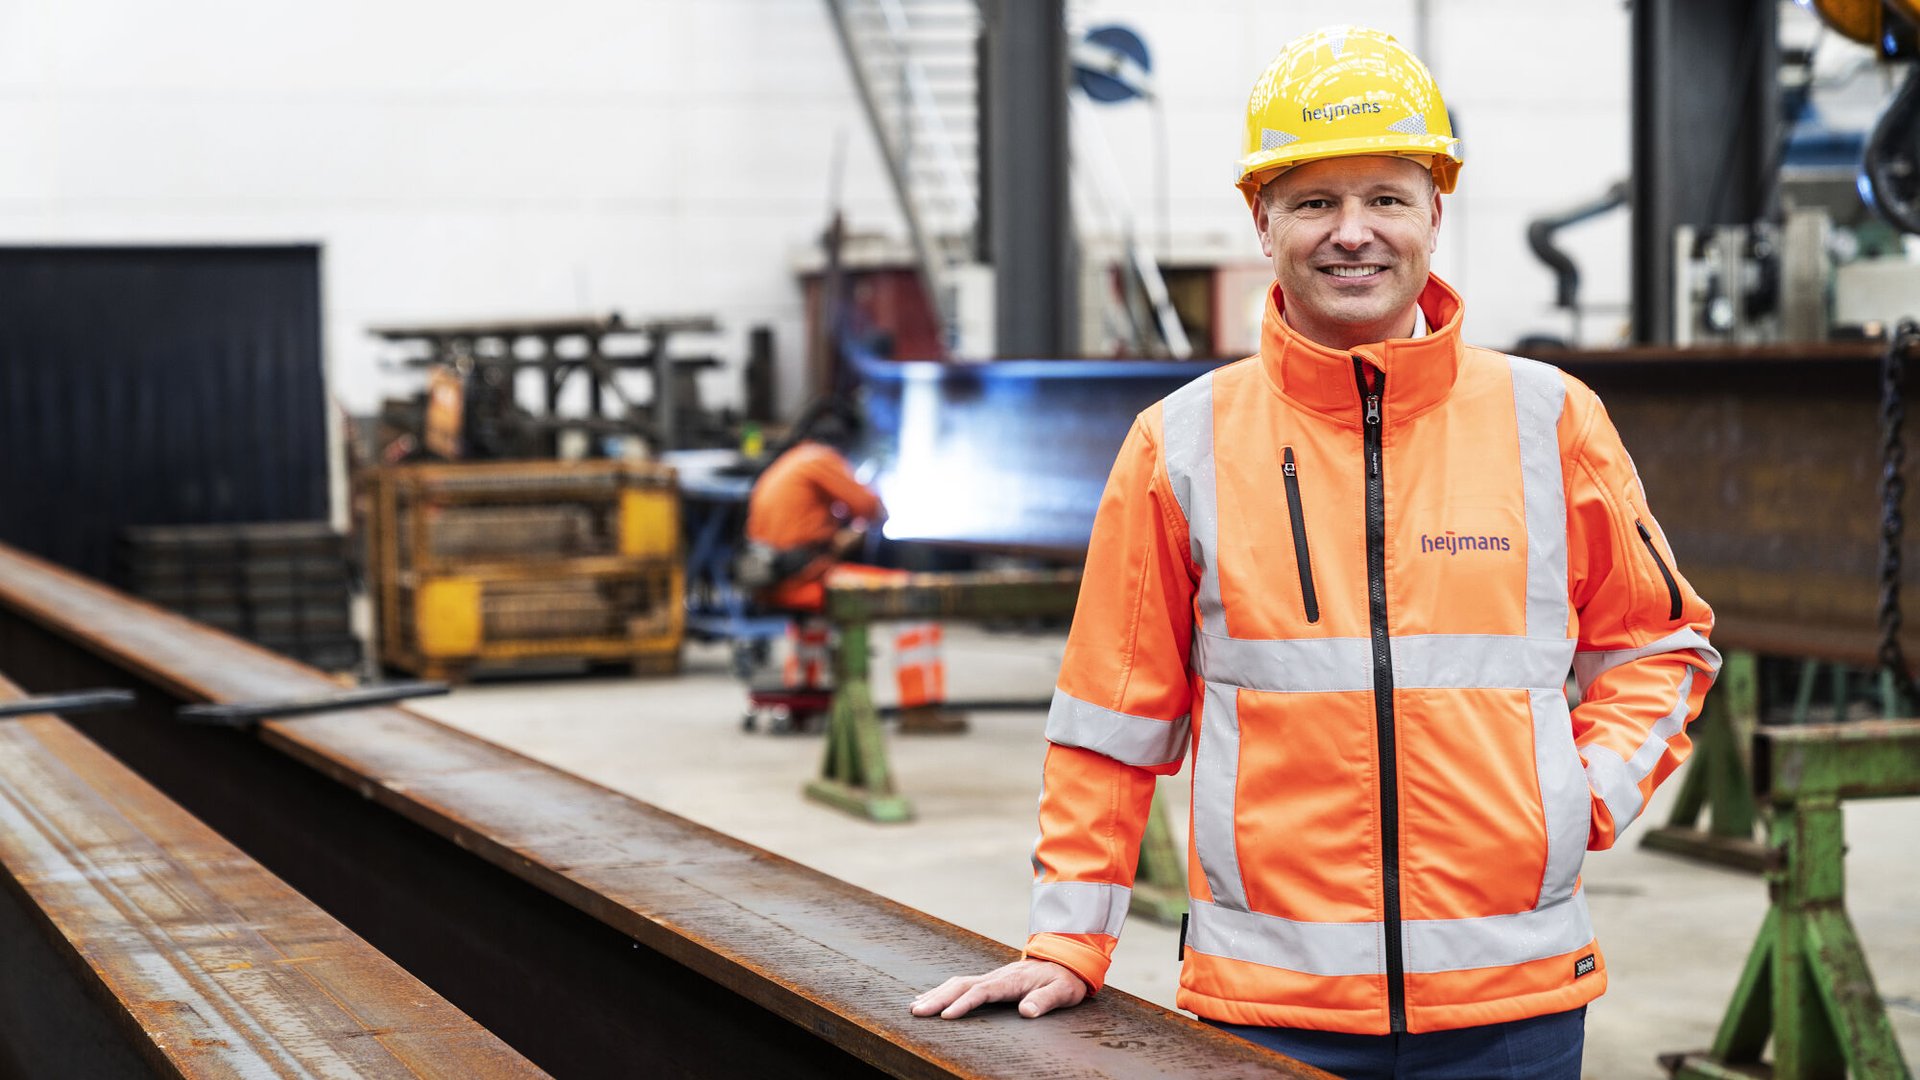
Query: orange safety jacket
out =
(806, 496)
(1361, 580)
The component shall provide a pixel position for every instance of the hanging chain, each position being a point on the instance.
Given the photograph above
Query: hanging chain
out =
(1893, 490)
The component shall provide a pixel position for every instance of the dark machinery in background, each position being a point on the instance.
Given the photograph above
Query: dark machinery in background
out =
(1757, 435)
(1891, 168)
(1754, 219)
(471, 407)
(1738, 191)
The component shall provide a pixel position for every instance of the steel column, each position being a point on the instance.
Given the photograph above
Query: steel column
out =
(1705, 123)
(1024, 159)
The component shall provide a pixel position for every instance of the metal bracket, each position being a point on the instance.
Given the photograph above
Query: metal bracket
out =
(247, 715)
(77, 701)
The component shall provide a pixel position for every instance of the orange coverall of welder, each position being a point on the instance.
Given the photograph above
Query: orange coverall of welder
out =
(806, 496)
(1364, 604)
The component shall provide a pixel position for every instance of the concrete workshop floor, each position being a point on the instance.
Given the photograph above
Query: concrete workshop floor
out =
(1675, 933)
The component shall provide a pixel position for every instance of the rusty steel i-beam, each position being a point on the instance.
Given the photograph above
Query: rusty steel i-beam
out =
(594, 934)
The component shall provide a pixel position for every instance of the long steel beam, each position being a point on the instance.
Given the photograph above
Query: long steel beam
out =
(597, 935)
(138, 942)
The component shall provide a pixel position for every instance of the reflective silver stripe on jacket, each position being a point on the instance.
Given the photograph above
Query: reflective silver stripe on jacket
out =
(1216, 773)
(1588, 666)
(1332, 665)
(1564, 800)
(1539, 396)
(1134, 740)
(1358, 948)
(1079, 907)
(1617, 780)
(1536, 661)
(1187, 434)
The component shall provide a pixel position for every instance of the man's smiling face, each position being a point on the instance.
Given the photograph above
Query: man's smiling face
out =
(1350, 240)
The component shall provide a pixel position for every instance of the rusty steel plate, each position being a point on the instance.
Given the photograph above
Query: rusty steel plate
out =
(214, 966)
(1763, 466)
(797, 945)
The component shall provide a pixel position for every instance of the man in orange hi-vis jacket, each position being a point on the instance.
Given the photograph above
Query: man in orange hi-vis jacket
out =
(810, 510)
(1353, 573)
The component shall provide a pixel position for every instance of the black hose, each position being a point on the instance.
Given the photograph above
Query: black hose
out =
(1892, 161)
(1540, 238)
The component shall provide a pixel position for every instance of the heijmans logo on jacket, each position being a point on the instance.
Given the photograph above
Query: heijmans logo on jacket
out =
(1452, 544)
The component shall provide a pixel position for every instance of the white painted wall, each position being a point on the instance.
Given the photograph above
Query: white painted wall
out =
(484, 159)
(457, 159)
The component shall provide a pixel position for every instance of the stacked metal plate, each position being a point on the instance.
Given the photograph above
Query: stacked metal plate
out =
(284, 585)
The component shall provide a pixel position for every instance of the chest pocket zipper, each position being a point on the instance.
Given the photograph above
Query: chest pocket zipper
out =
(1308, 597)
(1673, 587)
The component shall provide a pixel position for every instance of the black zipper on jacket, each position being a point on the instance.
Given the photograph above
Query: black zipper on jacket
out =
(1673, 587)
(1298, 516)
(1370, 397)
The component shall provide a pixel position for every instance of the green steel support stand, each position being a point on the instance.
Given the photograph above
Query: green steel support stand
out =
(1841, 683)
(1716, 777)
(856, 776)
(1892, 702)
(1803, 694)
(1160, 881)
(1806, 982)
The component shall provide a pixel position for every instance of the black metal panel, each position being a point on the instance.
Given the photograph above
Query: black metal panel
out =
(1705, 133)
(156, 386)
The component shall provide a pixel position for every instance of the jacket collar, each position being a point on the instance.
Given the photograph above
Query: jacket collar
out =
(1420, 370)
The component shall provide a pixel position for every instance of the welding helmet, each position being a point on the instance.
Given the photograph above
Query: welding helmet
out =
(1342, 92)
(836, 424)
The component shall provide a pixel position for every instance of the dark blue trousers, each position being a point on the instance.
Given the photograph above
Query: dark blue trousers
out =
(1540, 1048)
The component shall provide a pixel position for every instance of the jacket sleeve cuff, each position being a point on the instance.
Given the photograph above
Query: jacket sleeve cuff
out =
(1078, 957)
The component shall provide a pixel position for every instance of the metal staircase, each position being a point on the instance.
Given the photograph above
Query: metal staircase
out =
(914, 65)
(915, 68)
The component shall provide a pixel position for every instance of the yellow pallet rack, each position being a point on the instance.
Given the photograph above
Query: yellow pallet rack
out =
(511, 565)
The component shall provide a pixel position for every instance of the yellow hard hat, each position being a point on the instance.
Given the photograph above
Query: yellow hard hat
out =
(1342, 92)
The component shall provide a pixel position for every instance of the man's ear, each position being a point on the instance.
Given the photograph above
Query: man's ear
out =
(1433, 234)
(1261, 220)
